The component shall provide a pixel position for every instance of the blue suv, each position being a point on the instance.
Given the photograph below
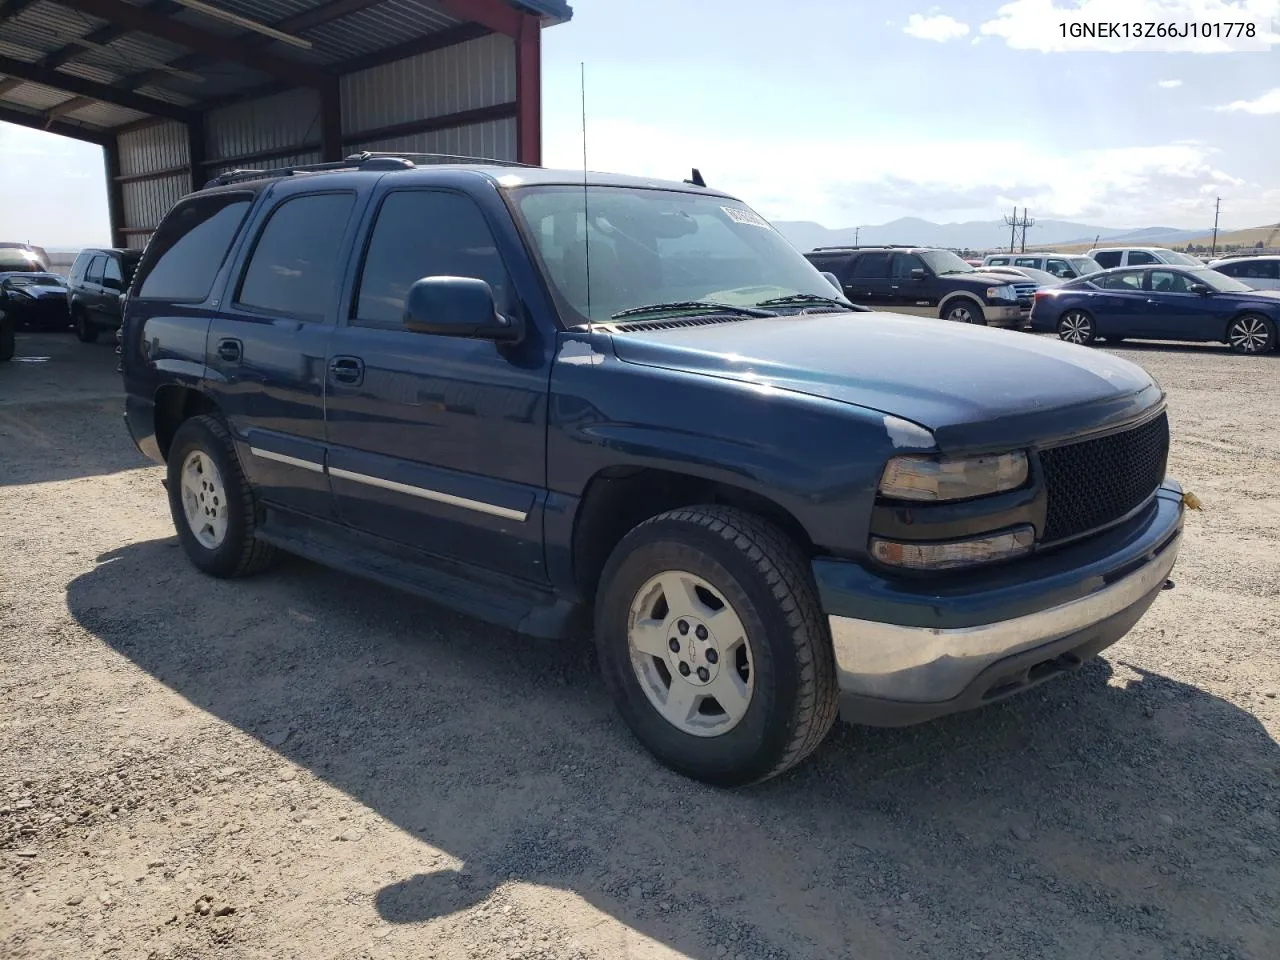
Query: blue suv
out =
(629, 409)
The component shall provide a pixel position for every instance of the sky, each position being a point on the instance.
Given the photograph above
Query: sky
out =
(852, 112)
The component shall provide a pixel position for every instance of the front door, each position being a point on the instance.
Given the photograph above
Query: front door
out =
(913, 287)
(1177, 313)
(435, 442)
(268, 344)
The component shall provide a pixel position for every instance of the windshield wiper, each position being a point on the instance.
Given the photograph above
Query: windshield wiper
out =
(706, 306)
(804, 298)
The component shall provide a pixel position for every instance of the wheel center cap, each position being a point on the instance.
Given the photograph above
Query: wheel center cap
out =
(692, 651)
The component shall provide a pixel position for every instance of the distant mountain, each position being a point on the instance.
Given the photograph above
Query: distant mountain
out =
(974, 235)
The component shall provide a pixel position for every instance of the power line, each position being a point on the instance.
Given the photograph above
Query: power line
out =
(1213, 251)
(1017, 223)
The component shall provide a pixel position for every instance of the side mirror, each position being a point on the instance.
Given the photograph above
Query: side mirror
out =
(918, 273)
(458, 307)
(1200, 288)
(832, 279)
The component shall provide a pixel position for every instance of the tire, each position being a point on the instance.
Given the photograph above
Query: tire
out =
(8, 340)
(779, 635)
(220, 539)
(86, 332)
(964, 310)
(1076, 326)
(1251, 333)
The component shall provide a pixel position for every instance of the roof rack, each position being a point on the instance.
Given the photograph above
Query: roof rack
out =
(365, 160)
(873, 246)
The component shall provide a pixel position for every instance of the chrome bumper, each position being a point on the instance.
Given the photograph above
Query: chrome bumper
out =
(927, 665)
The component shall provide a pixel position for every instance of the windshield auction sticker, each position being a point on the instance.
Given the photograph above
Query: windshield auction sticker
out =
(742, 215)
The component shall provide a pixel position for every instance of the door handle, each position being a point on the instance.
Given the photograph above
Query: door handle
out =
(230, 350)
(346, 369)
(1155, 302)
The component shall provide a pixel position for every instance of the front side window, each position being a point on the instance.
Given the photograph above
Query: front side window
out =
(294, 266)
(1027, 262)
(111, 276)
(1168, 281)
(643, 247)
(1218, 281)
(904, 263)
(426, 233)
(1085, 266)
(187, 251)
(1138, 257)
(1059, 268)
(1130, 280)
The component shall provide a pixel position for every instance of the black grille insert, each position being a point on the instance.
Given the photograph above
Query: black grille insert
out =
(1096, 482)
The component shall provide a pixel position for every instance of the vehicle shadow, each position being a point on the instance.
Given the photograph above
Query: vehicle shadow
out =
(1116, 813)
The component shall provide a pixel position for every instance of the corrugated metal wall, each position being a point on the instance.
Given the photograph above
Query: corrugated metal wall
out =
(479, 73)
(289, 119)
(147, 151)
(495, 140)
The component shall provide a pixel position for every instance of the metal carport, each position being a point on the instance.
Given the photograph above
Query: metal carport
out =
(177, 91)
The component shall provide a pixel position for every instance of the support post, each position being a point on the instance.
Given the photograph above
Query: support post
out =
(330, 122)
(529, 91)
(195, 152)
(115, 192)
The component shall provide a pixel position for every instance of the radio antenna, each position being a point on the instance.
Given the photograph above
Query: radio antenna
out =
(586, 213)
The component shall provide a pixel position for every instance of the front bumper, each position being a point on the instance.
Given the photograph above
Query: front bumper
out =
(998, 316)
(909, 652)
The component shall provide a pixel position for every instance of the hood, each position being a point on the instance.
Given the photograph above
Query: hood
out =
(987, 279)
(972, 386)
(1271, 296)
(42, 292)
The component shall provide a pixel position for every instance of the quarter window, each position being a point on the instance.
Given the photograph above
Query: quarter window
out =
(187, 251)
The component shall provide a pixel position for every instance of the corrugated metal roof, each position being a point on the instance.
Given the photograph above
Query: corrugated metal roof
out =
(106, 115)
(36, 97)
(388, 24)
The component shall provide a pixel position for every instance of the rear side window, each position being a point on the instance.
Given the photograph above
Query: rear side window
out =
(1252, 269)
(425, 234)
(1138, 257)
(1107, 258)
(1027, 262)
(94, 273)
(997, 261)
(111, 276)
(1127, 280)
(294, 266)
(187, 251)
(872, 265)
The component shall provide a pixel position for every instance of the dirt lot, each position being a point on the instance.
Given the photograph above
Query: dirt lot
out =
(301, 765)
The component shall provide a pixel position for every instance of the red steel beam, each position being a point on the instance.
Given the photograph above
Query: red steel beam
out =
(498, 15)
(529, 92)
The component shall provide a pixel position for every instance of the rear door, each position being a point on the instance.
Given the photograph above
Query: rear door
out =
(268, 344)
(869, 282)
(112, 287)
(1120, 308)
(91, 288)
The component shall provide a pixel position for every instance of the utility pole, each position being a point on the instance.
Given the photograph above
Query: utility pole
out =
(1017, 223)
(1216, 207)
(856, 232)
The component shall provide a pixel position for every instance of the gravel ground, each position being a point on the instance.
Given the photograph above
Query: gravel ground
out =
(303, 765)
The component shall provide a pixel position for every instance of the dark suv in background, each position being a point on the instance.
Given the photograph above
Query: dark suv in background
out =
(764, 504)
(95, 288)
(926, 282)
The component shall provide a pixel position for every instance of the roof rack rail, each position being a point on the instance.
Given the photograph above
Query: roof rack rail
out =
(364, 160)
(874, 246)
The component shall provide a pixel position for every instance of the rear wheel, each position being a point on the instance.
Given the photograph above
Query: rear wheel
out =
(1251, 333)
(86, 332)
(213, 507)
(964, 311)
(713, 645)
(1076, 326)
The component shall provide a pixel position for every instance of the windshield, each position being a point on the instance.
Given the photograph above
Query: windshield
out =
(1085, 265)
(23, 260)
(658, 246)
(944, 261)
(1219, 281)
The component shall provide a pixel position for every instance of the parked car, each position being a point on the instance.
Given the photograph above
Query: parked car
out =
(1109, 257)
(1039, 277)
(23, 258)
(925, 282)
(1160, 303)
(762, 505)
(1064, 266)
(96, 287)
(1259, 273)
(35, 300)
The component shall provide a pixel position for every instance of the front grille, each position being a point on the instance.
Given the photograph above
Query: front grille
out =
(1096, 482)
(1026, 292)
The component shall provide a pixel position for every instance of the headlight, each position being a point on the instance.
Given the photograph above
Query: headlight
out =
(1007, 292)
(946, 478)
(950, 554)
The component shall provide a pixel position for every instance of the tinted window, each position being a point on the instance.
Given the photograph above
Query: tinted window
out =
(186, 252)
(1141, 256)
(294, 265)
(998, 261)
(1126, 280)
(80, 266)
(1059, 268)
(426, 234)
(111, 275)
(94, 273)
(904, 263)
(1252, 269)
(1166, 281)
(872, 265)
(1027, 262)
(1107, 258)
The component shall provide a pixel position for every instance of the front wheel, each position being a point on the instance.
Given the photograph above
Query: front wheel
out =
(964, 311)
(1251, 333)
(713, 645)
(86, 332)
(213, 507)
(1076, 326)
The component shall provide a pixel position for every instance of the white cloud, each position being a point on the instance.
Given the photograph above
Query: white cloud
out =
(1267, 103)
(1038, 24)
(1169, 84)
(939, 27)
(842, 180)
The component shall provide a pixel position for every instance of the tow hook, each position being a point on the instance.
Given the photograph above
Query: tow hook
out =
(1168, 585)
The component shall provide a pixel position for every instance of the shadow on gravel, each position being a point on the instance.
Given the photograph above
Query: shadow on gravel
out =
(1112, 814)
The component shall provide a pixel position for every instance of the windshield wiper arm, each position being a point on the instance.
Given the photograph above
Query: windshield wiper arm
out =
(804, 298)
(706, 306)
